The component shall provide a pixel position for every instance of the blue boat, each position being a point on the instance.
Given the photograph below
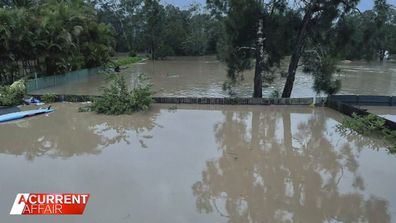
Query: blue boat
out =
(24, 114)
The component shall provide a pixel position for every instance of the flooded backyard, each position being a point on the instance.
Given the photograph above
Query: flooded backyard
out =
(200, 164)
(204, 77)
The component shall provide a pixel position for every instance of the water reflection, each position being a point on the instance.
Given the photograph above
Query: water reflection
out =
(285, 166)
(66, 133)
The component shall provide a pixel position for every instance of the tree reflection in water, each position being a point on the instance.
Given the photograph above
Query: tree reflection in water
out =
(67, 133)
(273, 171)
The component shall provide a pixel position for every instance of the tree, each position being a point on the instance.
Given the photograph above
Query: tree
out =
(382, 11)
(159, 29)
(51, 37)
(126, 18)
(322, 65)
(313, 12)
(196, 41)
(368, 35)
(254, 29)
(153, 14)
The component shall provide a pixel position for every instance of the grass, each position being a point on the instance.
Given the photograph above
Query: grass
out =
(126, 60)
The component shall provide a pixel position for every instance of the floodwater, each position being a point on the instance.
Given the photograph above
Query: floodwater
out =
(388, 112)
(204, 77)
(199, 164)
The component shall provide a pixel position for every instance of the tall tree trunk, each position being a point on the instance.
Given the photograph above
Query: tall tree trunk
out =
(259, 70)
(295, 58)
(153, 46)
(125, 35)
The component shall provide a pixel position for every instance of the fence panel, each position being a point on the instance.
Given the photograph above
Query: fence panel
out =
(55, 80)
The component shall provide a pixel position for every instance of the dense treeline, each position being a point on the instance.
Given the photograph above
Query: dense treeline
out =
(160, 30)
(54, 36)
(51, 37)
(368, 35)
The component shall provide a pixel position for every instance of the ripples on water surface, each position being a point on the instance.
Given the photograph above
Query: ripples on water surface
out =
(200, 164)
(204, 77)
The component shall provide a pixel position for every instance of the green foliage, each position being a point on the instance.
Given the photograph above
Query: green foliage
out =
(51, 37)
(117, 99)
(12, 95)
(238, 45)
(122, 61)
(159, 29)
(369, 34)
(370, 125)
(322, 67)
(48, 98)
(275, 94)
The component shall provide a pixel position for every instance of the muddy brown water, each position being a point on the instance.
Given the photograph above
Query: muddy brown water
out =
(204, 77)
(199, 164)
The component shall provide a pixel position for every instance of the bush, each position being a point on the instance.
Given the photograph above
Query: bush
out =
(132, 53)
(12, 95)
(49, 98)
(117, 99)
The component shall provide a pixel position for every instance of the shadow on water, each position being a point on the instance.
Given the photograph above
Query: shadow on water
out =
(282, 166)
(66, 133)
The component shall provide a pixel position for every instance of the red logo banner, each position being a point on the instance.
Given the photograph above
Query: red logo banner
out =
(49, 204)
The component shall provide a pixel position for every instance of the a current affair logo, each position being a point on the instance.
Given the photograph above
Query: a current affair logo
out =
(49, 204)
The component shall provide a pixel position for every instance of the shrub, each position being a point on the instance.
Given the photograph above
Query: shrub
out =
(132, 53)
(49, 98)
(12, 95)
(117, 99)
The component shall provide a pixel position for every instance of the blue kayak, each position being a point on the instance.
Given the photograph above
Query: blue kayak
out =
(25, 114)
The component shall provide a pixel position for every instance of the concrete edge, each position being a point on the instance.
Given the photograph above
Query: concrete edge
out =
(196, 100)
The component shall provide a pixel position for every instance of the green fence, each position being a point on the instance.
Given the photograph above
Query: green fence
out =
(55, 80)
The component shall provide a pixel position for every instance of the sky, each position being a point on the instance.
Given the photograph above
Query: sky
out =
(364, 4)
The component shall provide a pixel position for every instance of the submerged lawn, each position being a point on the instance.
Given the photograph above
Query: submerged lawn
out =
(126, 60)
(200, 164)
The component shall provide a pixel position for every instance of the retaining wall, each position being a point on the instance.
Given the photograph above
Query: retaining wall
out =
(366, 100)
(193, 100)
(346, 106)
(342, 103)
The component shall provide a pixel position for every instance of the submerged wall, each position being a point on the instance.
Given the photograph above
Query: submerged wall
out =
(366, 100)
(346, 105)
(194, 100)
